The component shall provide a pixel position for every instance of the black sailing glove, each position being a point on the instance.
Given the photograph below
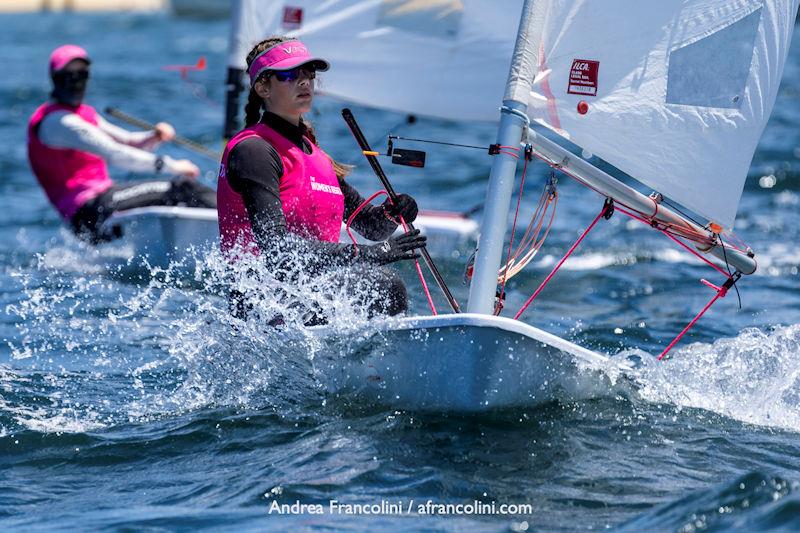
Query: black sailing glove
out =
(394, 249)
(404, 205)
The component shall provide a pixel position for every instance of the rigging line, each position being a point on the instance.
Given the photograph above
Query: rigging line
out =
(388, 133)
(728, 267)
(695, 236)
(405, 227)
(720, 294)
(421, 275)
(666, 228)
(532, 247)
(563, 259)
(532, 240)
(675, 207)
(499, 307)
(458, 145)
(378, 170)
(674, 239)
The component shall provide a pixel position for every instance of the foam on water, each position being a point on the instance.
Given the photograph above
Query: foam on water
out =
(184, 350)
(754, 377)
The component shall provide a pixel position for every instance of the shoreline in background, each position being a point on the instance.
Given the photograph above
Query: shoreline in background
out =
(22, 6)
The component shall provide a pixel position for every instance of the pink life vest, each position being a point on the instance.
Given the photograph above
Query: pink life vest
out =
(70, 178)
(312, 201)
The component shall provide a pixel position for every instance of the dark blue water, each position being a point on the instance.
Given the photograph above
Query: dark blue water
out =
(128, 402)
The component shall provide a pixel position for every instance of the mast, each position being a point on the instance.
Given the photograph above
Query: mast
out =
(233, 84)
(513, 124)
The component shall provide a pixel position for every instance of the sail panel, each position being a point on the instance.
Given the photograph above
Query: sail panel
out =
(440, 58)
(675, 93)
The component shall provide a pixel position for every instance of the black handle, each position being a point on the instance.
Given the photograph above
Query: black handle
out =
(376, 167)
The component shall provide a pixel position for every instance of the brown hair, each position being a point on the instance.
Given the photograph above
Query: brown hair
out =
(256, 105)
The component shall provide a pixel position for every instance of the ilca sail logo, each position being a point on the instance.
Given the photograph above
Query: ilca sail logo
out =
(583, 77)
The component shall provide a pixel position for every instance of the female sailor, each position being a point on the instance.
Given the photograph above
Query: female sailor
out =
(69, 144)
(282, 198)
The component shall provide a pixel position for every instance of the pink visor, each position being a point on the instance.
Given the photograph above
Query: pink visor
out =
(283, 56)
(64, 54)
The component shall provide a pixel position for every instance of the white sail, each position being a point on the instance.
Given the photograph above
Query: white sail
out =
(440, 58)
(675, 93)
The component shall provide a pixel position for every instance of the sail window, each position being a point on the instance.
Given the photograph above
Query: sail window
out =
(713, 71)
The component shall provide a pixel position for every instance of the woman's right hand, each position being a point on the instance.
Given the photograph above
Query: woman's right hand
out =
(394, 249)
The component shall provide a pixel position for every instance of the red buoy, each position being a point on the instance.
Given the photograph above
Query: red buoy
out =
(583, 107)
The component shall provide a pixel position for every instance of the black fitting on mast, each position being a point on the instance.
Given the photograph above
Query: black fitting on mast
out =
(608, 208)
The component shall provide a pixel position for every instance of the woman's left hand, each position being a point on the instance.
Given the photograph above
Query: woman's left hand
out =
(164, 132)
(403, 206)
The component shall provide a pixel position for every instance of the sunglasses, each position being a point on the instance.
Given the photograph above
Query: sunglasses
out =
(72, 76)
(293, 74)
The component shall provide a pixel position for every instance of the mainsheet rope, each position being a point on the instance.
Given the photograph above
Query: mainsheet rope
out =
(405, 228)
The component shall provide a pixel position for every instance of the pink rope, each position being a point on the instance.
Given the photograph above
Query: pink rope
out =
(499, 307)
(686, 233)
(721, 292)
(356, 212)
(421, 277)
(405, 227)
(674, 239)
(558, 266)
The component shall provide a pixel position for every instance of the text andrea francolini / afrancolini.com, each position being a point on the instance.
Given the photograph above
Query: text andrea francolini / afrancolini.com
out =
(402, 507)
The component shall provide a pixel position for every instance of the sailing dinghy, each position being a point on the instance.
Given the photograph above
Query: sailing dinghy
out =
(675, 94)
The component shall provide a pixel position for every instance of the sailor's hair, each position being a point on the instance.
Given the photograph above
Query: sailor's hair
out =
(255, 104)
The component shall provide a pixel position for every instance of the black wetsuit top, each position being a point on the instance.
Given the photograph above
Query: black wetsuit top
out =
(254, 171)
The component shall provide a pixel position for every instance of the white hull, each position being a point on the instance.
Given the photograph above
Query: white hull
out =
(461, 363)
(167, 234)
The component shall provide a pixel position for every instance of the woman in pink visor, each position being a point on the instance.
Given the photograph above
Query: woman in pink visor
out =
(69, 144)
(281, 197)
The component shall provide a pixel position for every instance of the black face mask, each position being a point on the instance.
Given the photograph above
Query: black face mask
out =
(70, 87)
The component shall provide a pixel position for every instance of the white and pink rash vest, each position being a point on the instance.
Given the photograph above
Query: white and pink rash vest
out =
(70, 178)
(312, 201)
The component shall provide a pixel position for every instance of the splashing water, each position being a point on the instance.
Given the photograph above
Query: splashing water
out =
(164, 347)
(754, 377)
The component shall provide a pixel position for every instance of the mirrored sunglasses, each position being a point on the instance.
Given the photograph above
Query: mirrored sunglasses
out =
(293, 74)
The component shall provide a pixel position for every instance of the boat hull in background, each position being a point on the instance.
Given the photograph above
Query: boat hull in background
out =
(162, 235)
(466, 363)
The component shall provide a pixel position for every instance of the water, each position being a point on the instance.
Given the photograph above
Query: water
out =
(130, 401)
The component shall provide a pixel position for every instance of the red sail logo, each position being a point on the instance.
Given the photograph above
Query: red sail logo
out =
(292, 18)
(583, 77)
